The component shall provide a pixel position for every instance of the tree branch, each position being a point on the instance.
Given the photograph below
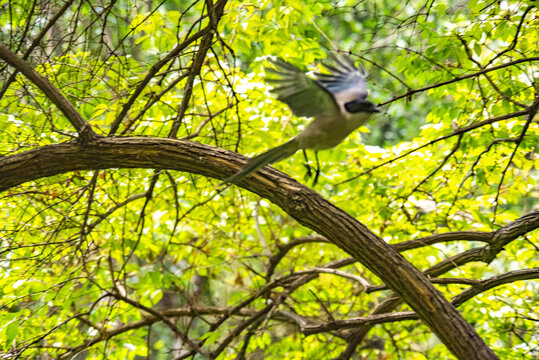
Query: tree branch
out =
(36, 42)
(444, 237)
(300, 202)
(477, 288)
(409, 93)
(81, 125)
(151, 73)
(444, 137)
(484, 285)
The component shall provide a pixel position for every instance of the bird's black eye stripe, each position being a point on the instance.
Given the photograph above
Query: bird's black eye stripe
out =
(359, 106)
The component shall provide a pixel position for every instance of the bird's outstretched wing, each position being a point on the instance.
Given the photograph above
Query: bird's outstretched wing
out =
(305, 96)
(343, 77)
(311, 97)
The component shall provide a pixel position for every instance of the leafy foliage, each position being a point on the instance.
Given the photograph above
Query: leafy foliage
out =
(132, 263)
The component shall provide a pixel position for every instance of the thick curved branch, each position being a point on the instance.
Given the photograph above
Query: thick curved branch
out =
(508, 233)
(81, 125)
(482, 286)
(356, 322)
(478, 287)
(495, 242)
(486, 254)
(300, 202)
(444, 237)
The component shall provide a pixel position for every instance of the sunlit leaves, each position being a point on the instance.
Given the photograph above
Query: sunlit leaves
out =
(69, 243)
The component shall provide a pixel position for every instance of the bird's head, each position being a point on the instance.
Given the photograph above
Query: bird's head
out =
(361, 105)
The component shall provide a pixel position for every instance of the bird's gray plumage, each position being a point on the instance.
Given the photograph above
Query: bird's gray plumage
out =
(337, 100)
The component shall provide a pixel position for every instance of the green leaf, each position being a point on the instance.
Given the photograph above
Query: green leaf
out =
(12, 330)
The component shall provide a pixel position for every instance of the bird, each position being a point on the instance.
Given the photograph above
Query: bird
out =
(336, 99)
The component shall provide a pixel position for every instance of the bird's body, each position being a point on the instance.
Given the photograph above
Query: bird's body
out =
(336, 101)
(326, 132)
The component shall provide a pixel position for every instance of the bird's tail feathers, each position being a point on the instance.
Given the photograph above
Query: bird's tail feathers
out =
(271, 156)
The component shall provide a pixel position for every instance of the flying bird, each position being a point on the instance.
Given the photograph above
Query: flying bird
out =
(337, 100)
